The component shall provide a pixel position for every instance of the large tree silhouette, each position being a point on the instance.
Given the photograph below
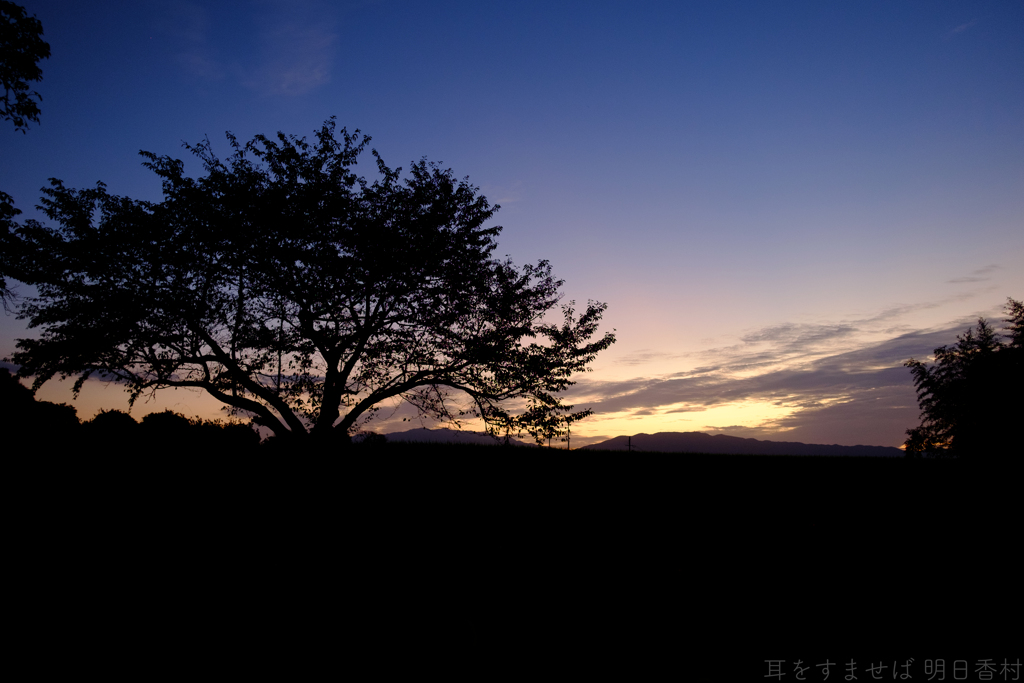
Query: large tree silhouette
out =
(971, 397)
(297, 292)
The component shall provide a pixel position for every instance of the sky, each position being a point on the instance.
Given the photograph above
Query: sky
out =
(779, 202)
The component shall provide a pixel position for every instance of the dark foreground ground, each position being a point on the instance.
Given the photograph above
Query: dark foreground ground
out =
(472, 561)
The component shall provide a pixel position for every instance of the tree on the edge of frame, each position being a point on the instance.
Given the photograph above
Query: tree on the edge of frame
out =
(302, 295)
(21, 48)
(971, 396)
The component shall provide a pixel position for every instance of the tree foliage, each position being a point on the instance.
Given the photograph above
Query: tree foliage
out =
(970, 397)
(21, 48)
(8, 246)
(301, 294)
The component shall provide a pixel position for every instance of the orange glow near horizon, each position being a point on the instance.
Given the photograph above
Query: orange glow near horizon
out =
(96, 396)
(673, 419)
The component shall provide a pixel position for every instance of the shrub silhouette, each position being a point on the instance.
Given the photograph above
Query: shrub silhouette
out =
(61, 418)
(238, 435)
(373, 439)
(225, 436)
(166, 426)
(113, 430)
(33, 424)
(114, 421)
(13, 394)
(171, 431)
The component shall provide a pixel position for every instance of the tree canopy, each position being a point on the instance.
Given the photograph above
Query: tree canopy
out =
(21, 49)
(301, 294)
(970, 397)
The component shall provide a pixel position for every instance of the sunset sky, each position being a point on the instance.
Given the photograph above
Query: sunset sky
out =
(779, 201)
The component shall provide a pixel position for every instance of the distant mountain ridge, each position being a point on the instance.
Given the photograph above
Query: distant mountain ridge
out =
(700, 442)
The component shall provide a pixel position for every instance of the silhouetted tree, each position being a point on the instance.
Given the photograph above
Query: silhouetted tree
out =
(297, 292)
(8, 246)
(971, 397)
(21, 48)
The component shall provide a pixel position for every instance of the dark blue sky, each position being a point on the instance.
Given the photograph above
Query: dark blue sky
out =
(764, 189)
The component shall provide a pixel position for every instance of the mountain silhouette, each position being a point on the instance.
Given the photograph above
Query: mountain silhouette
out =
(699, 442)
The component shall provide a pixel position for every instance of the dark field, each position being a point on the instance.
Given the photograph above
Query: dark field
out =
(611, 560)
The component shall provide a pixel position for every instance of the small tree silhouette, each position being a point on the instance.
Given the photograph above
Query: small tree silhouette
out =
(971, 397)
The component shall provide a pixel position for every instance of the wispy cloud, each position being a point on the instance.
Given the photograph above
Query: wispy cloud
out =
(188, 23)
(963, 27)
(503, 195)
(980, 275)
(645, 356)
(832, 377)
(289, 49)
(295, 57)
(832, 382)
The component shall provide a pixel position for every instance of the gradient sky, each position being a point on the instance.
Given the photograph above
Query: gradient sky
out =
(780, 202)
